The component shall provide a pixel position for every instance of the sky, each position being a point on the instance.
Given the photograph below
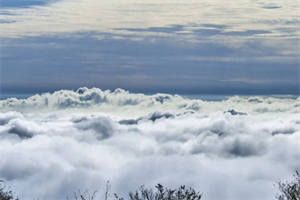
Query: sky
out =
(175, 46)
(68, 139)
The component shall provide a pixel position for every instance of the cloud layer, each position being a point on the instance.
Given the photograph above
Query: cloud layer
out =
(121, 102)
(68, 140)
(154, 18)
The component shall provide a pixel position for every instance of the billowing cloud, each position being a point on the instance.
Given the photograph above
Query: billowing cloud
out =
(129, 104)
(67, 140)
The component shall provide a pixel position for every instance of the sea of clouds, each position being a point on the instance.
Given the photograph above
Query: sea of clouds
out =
(53, 144)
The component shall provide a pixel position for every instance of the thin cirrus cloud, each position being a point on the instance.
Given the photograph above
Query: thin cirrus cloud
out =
(115, 16)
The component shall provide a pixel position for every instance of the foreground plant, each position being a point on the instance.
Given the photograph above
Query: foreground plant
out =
(290, 190)
(6, 194)
(163, 193)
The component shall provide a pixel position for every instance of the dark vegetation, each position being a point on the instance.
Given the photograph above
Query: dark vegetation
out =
(159, 193)
(162, 193)
(288, 190)
(5, 193)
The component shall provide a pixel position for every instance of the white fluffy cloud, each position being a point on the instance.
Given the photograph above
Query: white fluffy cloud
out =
(68, 140)
(122, 103)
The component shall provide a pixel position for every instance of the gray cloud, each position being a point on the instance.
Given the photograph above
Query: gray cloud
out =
(255, 67)
(271, 7)
(102, 126)
(3, 21)
(246, 33)
(169, 29)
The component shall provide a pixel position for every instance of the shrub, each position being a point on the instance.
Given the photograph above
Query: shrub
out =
(290, 190)
(83, 196)
(90, 196)
(6, 194)
(162, 193)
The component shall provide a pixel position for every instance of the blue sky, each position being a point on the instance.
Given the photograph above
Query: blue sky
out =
(250, 47)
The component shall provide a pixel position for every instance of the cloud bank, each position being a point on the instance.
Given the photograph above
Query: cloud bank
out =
(122, 102)
(67, 140)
